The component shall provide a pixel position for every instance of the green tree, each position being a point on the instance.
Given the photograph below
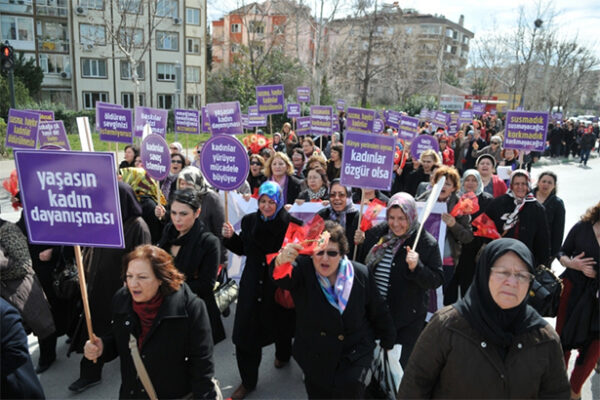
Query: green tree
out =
(28, 73)
(22, 98)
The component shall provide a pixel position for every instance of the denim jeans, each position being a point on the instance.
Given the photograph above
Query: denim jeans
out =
(585, 155)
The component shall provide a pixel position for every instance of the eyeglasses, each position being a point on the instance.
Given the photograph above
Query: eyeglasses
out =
(255, 163)
(496, 143)
(173, 148)
(333, 195)
(504, 274)
(330, 253)
(176, 162)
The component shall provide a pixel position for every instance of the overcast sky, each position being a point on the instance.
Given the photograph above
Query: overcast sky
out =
(579, 18)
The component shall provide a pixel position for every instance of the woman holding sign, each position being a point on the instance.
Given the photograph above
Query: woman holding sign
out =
(259, 320)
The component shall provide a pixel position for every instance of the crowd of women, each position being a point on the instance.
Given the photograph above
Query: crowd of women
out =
(327, 307)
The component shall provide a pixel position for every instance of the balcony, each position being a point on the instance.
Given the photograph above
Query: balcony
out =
(52, 11)
(52, 45)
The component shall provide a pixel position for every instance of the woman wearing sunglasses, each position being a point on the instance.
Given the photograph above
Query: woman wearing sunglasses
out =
(256, 177)
(339, 314)
(169, 184)
(492, 337)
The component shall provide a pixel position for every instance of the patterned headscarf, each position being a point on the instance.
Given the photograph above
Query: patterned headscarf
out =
(194, 177)
(467, 173)
(409, 207)
(512, 218)
(142, 184)
(273, 191)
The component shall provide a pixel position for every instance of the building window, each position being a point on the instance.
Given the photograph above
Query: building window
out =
(278, 29)
(19, 7)
(55, 63)
(167, 40)
(52, 35)
(167, 8)
(54, 8)
(127, 99)
(193, 45)
(126, 70)
(93, 68)
(431, 29)
(192, 16)
(192, 74)
(90, 99)
(236, 28)
(448, 48)
(92, 4)
(449, 33)
(130, 6)
(92, 34)
(257, 27)
(235, 47)
(17, 28)
(465, 40)
(165, 101)
(165, 72)
(258, 48)
(192, 101)
(408, 30)
(131, 37)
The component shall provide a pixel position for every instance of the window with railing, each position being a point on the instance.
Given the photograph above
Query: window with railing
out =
(52, 35)
(54, 8)
(17, 6)
(55, 63)
(16, 28)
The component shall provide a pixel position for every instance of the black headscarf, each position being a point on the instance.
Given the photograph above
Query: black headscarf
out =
(479, 308)
(130, 208)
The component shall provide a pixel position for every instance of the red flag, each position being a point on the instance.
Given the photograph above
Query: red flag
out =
(12, 186)
(255, 193)
(467, 205)
(485, 227)
(370, 215)
(308, 235)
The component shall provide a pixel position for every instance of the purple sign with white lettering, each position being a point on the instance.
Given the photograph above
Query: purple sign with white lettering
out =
(321, 118)
(22, 129)
(114, 124)
(368, 160)
(440, 120)
(245, 121)
(557, 116)
(303, 94)
(53, 133)
(157, 119)
(303, 126)
(378, 126)
(393, 119)
(478, 108)
(360, 120)
(340, 105)
(205, 123)
(187, 121)
(494, 111)
(526, 130)
(422, 143)
(293, 110)
(45, 115)
(409, 128)
(335, 125)
(255, 120)
(225, 118)
(156, 157)
(70, 198)
(424, 114)
(269, 99)
(465, 117)
(224, 162)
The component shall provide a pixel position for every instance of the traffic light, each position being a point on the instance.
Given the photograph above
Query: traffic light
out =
(8, 57)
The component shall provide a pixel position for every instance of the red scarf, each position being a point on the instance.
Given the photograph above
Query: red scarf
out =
(146, 312)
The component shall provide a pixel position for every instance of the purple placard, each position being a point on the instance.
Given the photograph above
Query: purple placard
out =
(293, 110)
(105, 105)
(335, 124)
(245, 121)
(493, 111)
(303, 94)
(187, 121)
(526, 130)
(45, 115)
(225, 118)
(70, 198)
(156, 157)
(114, 124)
(478, 108)
(224, 162)
(303, 126)
(360, 120)
(254, 119)
(424, 114)
(205, 123)
(452, 129)
(22, 129)
(340, 105)
(557, 116)
(393, 119)
(408, 128)
(269, 99)
(157, 119)
(368, 160)
(321, 118)
(440, 120)
(378, 126)
(465, 117)
(52, 133)
(422, 143)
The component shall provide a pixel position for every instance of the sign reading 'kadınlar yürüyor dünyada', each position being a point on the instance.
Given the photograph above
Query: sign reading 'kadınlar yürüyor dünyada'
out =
(368, 161)
(70, 198)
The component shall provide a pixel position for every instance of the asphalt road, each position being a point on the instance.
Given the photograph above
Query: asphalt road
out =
(577, 186)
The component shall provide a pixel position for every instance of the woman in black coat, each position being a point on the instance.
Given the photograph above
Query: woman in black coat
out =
(280, 169)
(170, 326)
(196, 252)
(545, 194)
(403, 275)
(518, 215)
(339, 314)
(259, 320)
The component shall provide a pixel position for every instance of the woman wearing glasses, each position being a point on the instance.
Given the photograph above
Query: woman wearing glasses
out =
(256, 177)
(169, 184)
(342, 211)
(339, 314)
(490, 344)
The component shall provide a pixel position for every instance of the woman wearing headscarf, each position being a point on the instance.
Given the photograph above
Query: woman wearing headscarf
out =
(195, 251)
(471, 182)
(403, 274)
(103, 266)
(342, 211)
(259, 320)
(490, 344)
(517, 214)
(577, 320)
(545, 194)
(278, 144)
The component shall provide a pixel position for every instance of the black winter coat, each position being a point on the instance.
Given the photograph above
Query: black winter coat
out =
(351, 225)
(177, 351)
(324, 337)
(407, 291)
(555, 215)
(294, 187)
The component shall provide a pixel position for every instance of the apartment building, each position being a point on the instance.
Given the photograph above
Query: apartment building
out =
(86, 49)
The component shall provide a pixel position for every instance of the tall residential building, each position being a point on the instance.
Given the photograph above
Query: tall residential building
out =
(83, 46)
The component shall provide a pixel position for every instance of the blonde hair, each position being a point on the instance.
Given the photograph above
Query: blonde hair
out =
(430, 153)
(285, 158)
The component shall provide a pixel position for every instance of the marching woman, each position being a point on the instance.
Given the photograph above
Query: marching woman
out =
(545, 194)
(169, 325)
(259, 320)
(492, 183)
(255, 175)
(316, 187)
(131, 152)
(280, 170)
(577, 320)
(339, 314)
(428, 161)
(196, 252)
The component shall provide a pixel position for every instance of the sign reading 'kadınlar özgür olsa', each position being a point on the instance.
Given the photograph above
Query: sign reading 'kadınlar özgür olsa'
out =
(368, 160)
(70, 198)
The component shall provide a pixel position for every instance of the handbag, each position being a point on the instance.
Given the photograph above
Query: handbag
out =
(545, 291)
(226, 293)
(386, 373)
(65, 280)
